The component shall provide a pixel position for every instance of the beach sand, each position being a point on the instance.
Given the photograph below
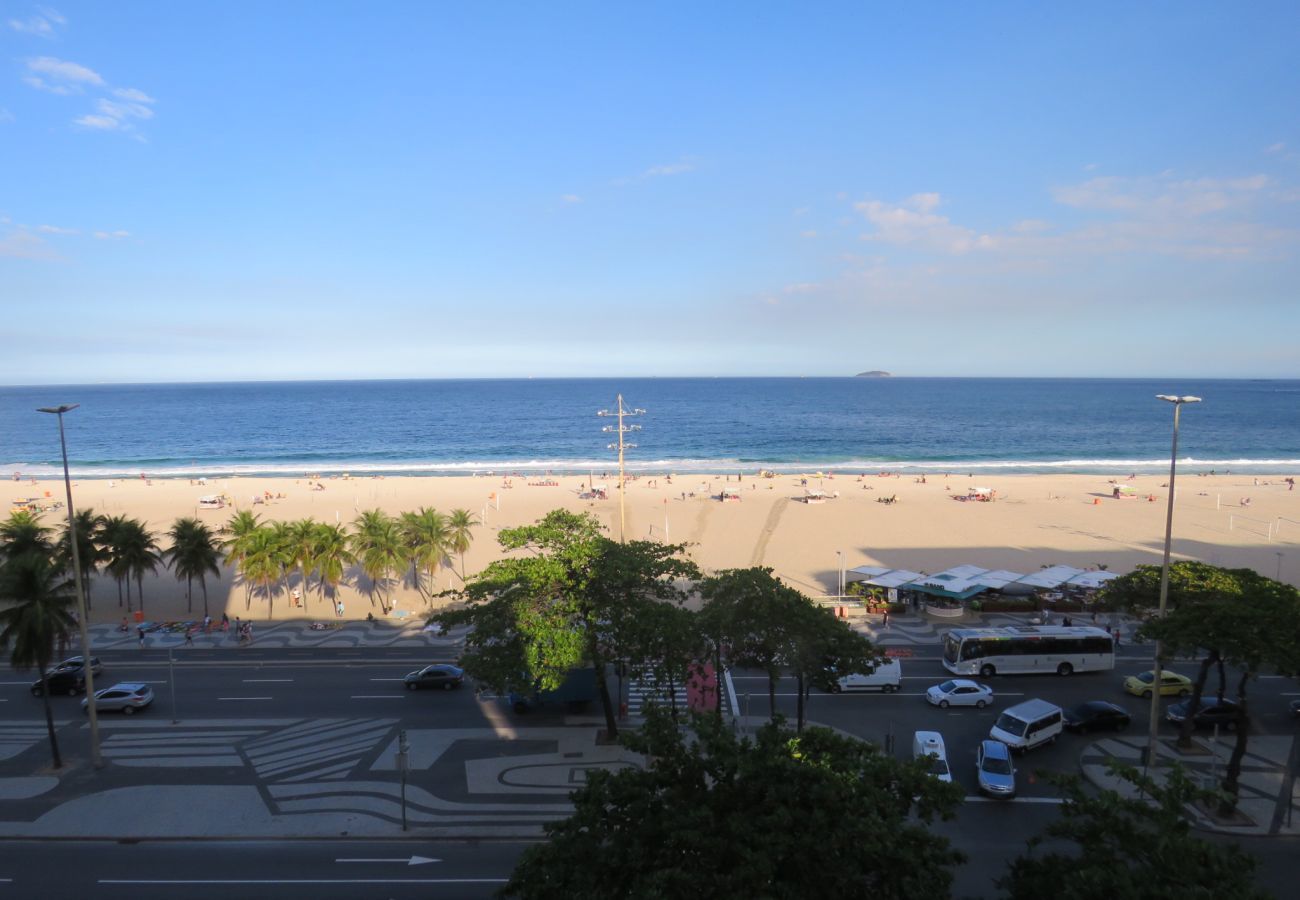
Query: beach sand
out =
(1035, 521)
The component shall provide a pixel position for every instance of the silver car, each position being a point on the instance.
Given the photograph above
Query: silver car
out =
(997, 776)
(125, 698)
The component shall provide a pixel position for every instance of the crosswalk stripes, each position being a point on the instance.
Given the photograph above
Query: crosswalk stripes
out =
(16, 737)
(642, 689)
(321, 749)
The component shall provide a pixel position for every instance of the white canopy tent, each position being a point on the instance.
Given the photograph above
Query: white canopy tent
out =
(997, 580)
(862, 573)
(1092, 580)
(1051, 578)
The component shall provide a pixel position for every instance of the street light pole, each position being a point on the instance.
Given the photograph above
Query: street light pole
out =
(87, 669)
(621, 430)
(1158, 671)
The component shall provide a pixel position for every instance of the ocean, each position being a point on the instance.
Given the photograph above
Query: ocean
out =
(441, 427)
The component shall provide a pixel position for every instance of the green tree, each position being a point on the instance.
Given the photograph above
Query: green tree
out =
(782, 816)
(300, 537)
(238, 533)
(661, 642)
(460, 535)
(23, 533)
(193, 554)
(133, 553)
(89, 553)
(1130, 848)
(380, 551)
(111, 536)
(37, 616)
(262, 564)
(427, 537)
(537, 616)
(330, 556)
(1237, 617)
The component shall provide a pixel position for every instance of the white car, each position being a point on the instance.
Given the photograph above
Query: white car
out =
(929, 745)
(959, 692)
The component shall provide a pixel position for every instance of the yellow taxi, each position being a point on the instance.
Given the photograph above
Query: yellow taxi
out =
(1171, 684)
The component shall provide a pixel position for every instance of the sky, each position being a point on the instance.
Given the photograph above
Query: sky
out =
(228, 191)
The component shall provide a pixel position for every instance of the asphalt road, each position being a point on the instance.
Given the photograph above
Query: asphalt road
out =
(367, 681)
(275, 870)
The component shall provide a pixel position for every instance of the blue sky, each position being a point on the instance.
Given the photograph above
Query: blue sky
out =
(230, 191)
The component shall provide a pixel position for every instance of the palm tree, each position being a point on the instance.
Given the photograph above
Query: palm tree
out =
(23, 533)
(137, 553)
(330, 556)
(379, 548)
(40, 595)
(425, 534)
(193, 554)
(112, 537)
(89, 552)
(459, 536)
(262, 565)
(240, 529)
(302, 540)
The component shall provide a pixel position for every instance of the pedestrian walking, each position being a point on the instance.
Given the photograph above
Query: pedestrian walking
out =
(139, 631)
(225, 622)
(207, 624)
(1117, 634)
(886, 617)
(338, 609)
(189, 637)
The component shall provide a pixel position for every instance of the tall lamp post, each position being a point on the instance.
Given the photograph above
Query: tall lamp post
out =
(86, 668)
(1158, 671)
(621, 445)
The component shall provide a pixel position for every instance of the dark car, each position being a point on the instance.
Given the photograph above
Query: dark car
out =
(62, 681)
(1213, 712)
(439, 675)
(76, 662)
(1096, 715)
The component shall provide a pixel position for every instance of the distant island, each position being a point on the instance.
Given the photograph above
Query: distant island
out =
(873, 374)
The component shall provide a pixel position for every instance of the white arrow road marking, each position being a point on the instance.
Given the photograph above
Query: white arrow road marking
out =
(412, 861)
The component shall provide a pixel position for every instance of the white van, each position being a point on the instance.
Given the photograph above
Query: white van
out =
(888, 677)
(1029, 724)
(930, 743)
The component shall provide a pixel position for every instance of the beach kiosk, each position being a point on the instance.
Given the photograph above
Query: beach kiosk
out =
(212, 501)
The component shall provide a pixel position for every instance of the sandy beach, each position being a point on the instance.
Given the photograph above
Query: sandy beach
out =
(1034, 521)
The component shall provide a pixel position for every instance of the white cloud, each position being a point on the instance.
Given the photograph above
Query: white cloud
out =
(124, 110)
(1162, 196)
(809, 233)
(99, 123)
(41, 25)
(1275, 148)
(22, 244)
(5, 116)
(570, 198)
(112, 235)
(666, 170)
(914, 222)
(55, 229)
(60, 76)
(133, 95)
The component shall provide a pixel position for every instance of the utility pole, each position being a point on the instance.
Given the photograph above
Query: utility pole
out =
(621, 445)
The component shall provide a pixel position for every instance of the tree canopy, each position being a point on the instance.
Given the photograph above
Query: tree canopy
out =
(781, 815)
(1130, 848)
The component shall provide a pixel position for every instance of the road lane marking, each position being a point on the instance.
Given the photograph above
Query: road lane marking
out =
(303, 880)
(387, 679)
(245, 698)
(378, 696)
(1050, 800)
(409, 861)
(266, 680)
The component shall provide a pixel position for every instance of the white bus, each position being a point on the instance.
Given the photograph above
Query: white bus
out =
(1028, 648)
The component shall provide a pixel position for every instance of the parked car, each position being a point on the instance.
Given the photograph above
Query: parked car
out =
(1096, 715)
(1171, 684)
(125, 698)
(959, 692)
(76, 662)
(996, 775)
(61, 681)
(439, 675)
(1212, 711)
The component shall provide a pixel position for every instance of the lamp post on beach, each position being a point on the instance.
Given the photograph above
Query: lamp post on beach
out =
(1158, 669)
(621, 445)
(86, 667)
